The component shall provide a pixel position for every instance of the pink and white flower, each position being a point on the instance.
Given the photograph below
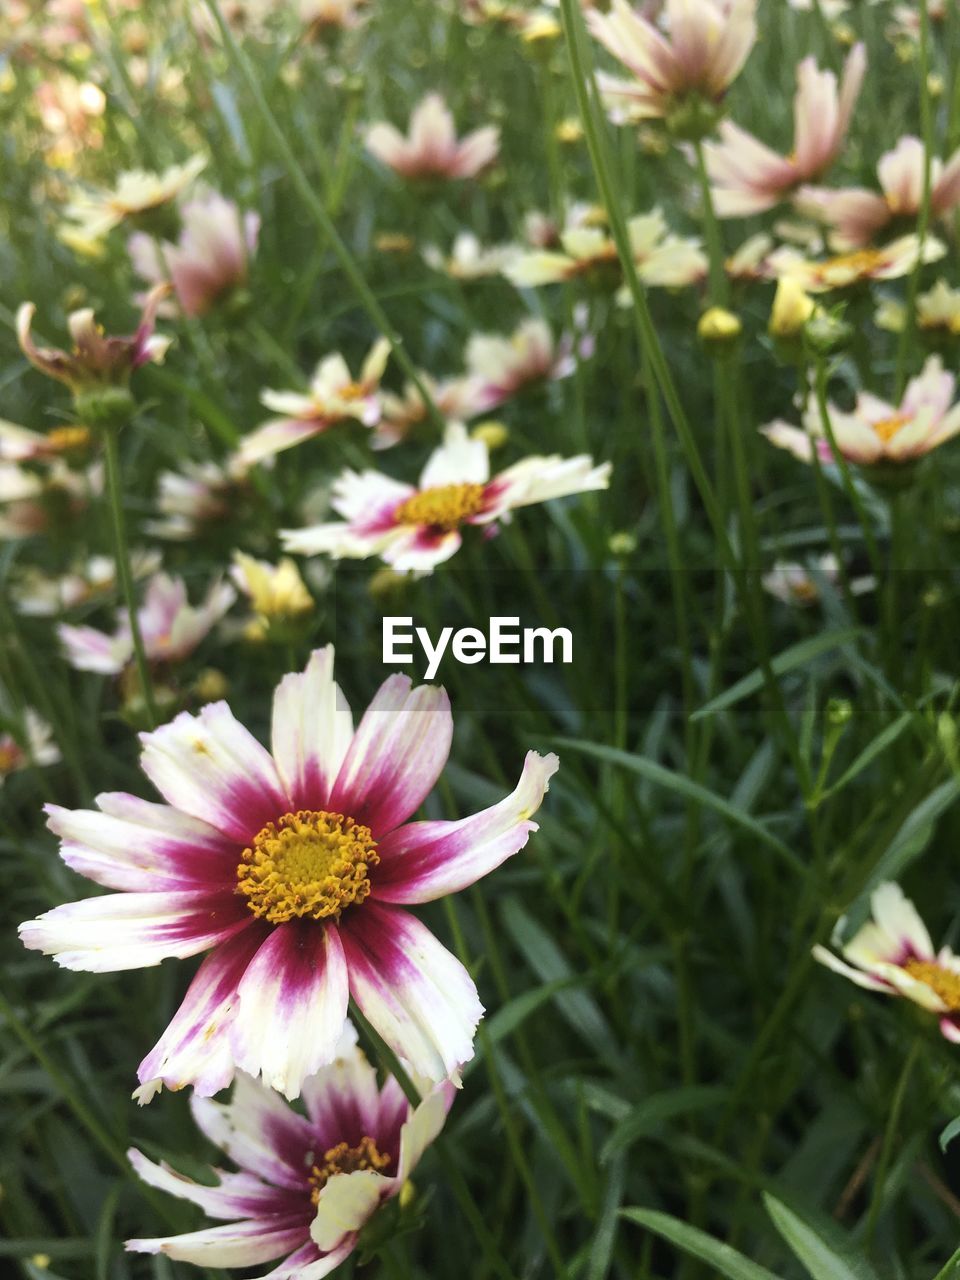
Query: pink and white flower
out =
(857, 214)
(293, 869)
(877, 431)
(306, 1184)
(417, 527)
(200, 494)
(33, 745)
(748, 177)
(504, 366)
(20, 444)
(334, 396)
(893, 954)
(460, 398)
(800, 584)
(469, 259)
(40, 596)
(322, 16)
(698, 48)
(32, 502)
(93, 214)
(431, 149)
(210, 258)
(171, 628)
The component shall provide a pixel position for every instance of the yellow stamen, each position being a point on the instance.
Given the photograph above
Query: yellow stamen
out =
(344, 1159)
(943, 981)
(10, 757)
(352, 391)
(444, 506)
(310, 863)
(862, 262)
(887, 428)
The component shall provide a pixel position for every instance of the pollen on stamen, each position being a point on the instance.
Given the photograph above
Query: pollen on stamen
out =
(309, 864)
(444, 506)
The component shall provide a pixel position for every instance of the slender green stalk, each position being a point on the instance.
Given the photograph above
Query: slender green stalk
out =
(719, 284)
(122, 555)
(471, 1210)
(318, 211)
(646, 331)
(923, 221)
(889, 1139)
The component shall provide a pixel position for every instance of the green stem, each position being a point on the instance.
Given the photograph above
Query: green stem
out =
(318, 211)
(719, 284)
(889, 1138)
(122, 554)
(471, 1210)
(923, 221)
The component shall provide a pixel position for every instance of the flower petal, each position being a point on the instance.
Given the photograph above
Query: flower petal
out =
(312, 729)
(345, 1204)
(236, 1195)
(136, 845)
(422, 1128)
(195, 1048)
(237, 1244)
(293, 1005)
(342, 1099)
(259, 1132)
(425, 860)
(396, 755)
(133, 930)
(309, 1263)
(415, 993)
(213, 768)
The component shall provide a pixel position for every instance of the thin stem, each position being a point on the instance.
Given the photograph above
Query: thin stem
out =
(889, 1138)
(719, 284)
(318, 211)
(923, 220)
(122, 555)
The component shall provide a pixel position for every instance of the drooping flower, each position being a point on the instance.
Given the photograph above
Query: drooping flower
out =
(33, 745)
(419, 526)
(896, 259)
(292, 869)
(431, 149)
(893, 954)
(93, 214)
(306, 1184)
(748, 177)
(503, 366)
(98, 368)
(170, 626)
(198, 495)
(211, 257)
(856, 214)
(695, 54)
(334, 397)
(39, 596)
(661, 257)
(876, 431)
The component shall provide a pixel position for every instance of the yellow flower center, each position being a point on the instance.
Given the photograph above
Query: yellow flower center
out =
(344, 1159)
(442, 507)
(887, 428)
(943, 981)
(10, 757)
(862, 262)
(310, 863)
(351, 391)
(62, 439)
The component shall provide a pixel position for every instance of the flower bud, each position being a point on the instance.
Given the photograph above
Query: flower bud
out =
(491, 433)
(826, 333)
(622, 544)
(792, 308)
(719, 327)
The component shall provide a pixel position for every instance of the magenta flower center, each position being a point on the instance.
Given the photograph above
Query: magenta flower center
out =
(344, 1159)
(307, 864)
(943, 981)
(444, 506)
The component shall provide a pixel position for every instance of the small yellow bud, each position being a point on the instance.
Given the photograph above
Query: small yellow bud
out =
(210, 685)
(935, 84)
(541, 28)
(717, 325)
(844, 34)
(41, 1261)
(393, 242)
(569, 130)
(792, 308)
(622, 544)
(493, 434)
(386, 582)
(408, 1193)
(652, 141)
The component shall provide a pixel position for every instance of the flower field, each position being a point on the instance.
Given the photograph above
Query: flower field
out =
(479, 722)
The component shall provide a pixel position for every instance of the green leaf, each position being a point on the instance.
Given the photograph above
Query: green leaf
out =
(657, 1108)
(699, 1245)
(683, 786)
(949, 1133)
(822, 1260)
(798, 655)
(870, 753)
(913, 837)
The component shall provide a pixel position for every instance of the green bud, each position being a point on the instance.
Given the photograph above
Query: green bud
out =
(826, 333)
(692, 118)
(839, 712)
(104, 407)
